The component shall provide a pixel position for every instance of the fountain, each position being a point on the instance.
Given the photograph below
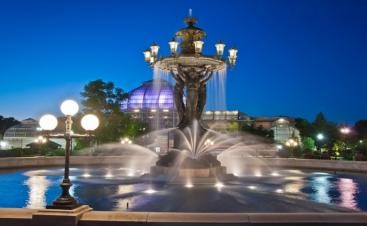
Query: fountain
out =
(191, 71)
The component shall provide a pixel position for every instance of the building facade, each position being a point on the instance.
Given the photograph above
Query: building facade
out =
(25, 133)
(283, 127)
(19, 136)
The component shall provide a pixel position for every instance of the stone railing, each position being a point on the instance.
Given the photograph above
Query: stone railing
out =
(29, 217)
(333, 165)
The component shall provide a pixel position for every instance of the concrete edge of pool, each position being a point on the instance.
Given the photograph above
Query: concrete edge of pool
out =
(26, 217)
(315, 164)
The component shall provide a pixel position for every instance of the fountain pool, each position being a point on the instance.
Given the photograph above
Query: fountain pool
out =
(121, 189)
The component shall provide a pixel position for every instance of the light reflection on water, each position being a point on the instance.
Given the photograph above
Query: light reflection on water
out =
(321, 187)
(43, 187)
(348, 189)
(38, 186)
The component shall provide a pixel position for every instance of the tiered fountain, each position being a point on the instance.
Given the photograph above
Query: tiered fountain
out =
(191, 71)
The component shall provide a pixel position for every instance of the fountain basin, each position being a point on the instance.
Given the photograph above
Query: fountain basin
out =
(218, 171)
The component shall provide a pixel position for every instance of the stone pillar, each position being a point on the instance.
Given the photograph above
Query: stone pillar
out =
(58, 217)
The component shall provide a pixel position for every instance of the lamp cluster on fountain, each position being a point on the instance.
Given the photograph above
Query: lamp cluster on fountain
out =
(151, 53)
(190, 68)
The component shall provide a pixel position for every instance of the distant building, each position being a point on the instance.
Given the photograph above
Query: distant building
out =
(23, 134)
(225, 120)
(20, 135)
(283, 127)
(152, 103)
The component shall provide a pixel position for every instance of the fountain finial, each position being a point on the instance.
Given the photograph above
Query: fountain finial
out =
(190, 20)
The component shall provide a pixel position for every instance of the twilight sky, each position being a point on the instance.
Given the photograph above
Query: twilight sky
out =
(296, 58)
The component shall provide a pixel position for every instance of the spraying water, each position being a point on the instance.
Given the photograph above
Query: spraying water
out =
(217, 91)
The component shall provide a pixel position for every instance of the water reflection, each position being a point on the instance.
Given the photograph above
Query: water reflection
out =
(38, 186)
(321, 187)
(294, 185)
(125, 203)
(348, 191)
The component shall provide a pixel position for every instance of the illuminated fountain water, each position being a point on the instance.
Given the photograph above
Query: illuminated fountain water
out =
(195, 145)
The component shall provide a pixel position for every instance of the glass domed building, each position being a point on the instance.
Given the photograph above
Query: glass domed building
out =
(153, 104)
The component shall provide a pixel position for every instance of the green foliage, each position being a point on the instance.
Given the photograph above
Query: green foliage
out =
(305, 127)
(320, 122)
(339, 146)
(6, 123)
(319, 125)
(103, 99)
(308, 143)
(260, 131)
(28, 152)
(43, 149)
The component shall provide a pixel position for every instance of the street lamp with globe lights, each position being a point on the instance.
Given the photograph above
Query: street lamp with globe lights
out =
(345, 131)
(291, 144)
(48, 123)
(320, 137)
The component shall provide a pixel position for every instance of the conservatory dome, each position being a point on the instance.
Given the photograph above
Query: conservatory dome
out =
(151, 94)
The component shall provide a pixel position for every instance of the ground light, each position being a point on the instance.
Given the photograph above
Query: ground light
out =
(150, 191)
(252, 187)
(320, 136)
(219, 185)
(86, 175)
(189, 185)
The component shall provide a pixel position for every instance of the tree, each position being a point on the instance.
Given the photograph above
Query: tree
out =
(329, 129)
(361, 128)
(320, 122)
(6, 123)
(309, 143)
(305, 128)
(103, 99)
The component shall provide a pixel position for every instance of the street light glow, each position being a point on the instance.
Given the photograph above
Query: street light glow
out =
(48, 122)
(320, 136)
(90, 122)
(69, 107)
(345, 130)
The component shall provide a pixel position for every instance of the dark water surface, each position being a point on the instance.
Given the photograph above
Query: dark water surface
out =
(111, 189)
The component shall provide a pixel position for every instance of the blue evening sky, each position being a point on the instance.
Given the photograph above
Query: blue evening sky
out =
(296, 57)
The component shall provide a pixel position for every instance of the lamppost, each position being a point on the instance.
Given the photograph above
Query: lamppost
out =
(320, 137)
(48, 123)
(345, 131)
(291, 144)
(190, 68)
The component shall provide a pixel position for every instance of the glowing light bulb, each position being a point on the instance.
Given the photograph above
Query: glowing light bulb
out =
(189, 185)
(219, 185)
(150, 191)
(252, 187)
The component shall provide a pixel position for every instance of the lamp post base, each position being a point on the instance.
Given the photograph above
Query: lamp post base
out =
(64, 203)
